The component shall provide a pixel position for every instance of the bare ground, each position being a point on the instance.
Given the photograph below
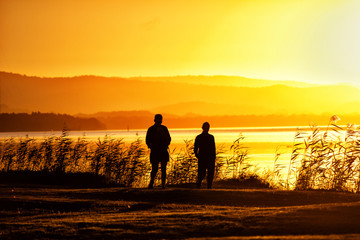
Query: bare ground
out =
(38, 212)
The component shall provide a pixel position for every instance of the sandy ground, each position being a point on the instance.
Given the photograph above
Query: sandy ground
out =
(38, 212)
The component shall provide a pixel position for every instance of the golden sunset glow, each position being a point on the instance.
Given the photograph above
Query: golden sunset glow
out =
(179, 119)
(312, 41)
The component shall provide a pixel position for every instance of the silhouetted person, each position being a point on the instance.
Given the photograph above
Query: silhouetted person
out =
(158, 140)
(205, 152)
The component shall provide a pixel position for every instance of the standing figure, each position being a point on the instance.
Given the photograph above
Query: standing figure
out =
(205, 152)
(158, 139)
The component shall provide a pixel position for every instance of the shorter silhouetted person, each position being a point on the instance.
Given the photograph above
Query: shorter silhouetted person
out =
(205, 152)
(158, 140)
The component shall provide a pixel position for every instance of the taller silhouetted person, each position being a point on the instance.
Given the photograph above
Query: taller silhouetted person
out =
(205, 152)
(158, 139)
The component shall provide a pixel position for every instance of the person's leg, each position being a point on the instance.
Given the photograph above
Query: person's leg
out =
(154, 170)
(201, 173)
(210, 174)
(163, 173)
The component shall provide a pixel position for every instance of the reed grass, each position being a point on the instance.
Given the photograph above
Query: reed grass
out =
(183, 165)
(324, 159)
(122, 163)
(236, 164)
(273, 177)
(327, 160)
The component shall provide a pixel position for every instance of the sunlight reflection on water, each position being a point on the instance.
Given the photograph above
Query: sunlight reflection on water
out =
(261, 142)
(222, 135)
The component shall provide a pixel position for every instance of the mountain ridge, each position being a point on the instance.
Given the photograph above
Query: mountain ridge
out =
(89, 94)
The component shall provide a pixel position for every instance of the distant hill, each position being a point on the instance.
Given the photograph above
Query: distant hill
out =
(277, 99)
(144, 119)
(18, 122)
(174, 95)
(211, 109)
(123, 119)
(229, 81)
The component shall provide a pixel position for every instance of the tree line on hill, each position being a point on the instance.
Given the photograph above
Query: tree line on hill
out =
(36, 121)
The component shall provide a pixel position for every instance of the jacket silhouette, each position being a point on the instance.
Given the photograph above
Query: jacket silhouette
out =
(205, 152)
(158, 139)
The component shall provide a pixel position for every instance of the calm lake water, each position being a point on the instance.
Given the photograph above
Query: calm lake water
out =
(262, 143)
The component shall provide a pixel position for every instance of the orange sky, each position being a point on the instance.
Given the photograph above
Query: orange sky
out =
(306, 40)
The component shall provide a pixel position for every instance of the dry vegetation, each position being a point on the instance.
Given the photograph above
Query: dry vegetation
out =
(114, 160)
(327, 160)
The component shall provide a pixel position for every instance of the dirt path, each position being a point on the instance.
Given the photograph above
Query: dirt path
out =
(60, 213)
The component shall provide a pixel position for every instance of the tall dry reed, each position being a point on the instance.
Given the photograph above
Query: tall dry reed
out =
(327, 159)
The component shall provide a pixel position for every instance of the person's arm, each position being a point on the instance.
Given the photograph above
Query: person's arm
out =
(148, 138)
(196, 147)
(213, 147)
(168, 136)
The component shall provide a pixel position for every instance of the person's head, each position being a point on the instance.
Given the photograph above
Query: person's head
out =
(206, 127)
(158, 119)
